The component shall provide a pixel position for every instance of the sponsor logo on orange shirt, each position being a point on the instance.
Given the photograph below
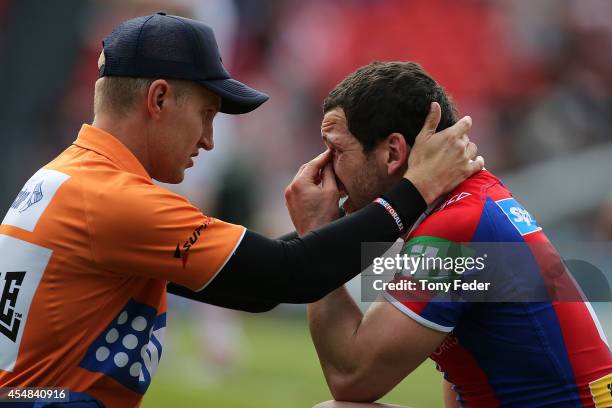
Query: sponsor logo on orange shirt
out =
(183, 253)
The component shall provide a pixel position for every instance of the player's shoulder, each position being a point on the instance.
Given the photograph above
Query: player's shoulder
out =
(459, 214)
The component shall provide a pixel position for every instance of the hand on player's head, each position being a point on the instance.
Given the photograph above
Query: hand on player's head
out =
(440, 161)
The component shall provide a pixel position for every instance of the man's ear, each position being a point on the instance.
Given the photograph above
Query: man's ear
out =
(398, 151)
(156, 97)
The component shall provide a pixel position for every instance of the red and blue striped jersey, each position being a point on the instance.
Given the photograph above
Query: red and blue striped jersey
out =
(509, 354)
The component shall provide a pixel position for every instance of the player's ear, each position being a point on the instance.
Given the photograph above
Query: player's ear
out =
(397, 150)
(157, 95)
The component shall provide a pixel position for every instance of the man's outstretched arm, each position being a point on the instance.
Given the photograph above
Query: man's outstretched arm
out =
(364, 356)
(304, 269)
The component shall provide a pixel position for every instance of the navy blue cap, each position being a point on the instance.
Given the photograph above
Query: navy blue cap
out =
(173, 47)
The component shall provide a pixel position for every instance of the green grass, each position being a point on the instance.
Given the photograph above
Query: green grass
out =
(279, 368)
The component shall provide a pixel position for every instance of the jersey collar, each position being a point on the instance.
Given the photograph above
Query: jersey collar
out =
(105, 144)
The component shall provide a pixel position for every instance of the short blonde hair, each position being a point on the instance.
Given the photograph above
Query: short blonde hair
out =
(119, 95)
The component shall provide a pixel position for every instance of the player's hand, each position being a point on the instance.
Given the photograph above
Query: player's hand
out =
(312, 197)
(440, 161)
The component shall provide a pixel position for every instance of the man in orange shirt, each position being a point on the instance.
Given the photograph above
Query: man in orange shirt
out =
(90, 243)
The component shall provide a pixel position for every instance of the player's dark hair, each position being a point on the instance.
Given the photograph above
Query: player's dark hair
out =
(386, 97)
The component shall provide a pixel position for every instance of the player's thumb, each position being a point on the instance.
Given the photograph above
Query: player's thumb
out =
(432, 120)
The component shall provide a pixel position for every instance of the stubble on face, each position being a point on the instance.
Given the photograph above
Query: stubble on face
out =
(359, 173)
(367, 184)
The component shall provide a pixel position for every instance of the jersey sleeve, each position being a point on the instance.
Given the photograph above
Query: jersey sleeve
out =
(438, 242)
(428, 307)
(151, 232)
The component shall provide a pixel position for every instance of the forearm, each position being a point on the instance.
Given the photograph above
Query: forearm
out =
(304, 269)
(223, 299)
(334, 322)
(289, 236)
(227, 300)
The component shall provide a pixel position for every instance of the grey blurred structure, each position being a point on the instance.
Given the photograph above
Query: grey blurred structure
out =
(39, 45)
(534, 76)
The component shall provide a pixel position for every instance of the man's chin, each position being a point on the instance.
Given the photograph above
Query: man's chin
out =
(171, 179)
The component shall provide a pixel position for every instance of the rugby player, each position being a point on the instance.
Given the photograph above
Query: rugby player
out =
(90, 243)
(514, 354)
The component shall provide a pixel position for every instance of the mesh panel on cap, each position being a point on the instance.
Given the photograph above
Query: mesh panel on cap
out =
(165, 40)
(124, 37)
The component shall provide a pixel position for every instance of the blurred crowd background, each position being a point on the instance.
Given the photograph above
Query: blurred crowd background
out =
(536, 77)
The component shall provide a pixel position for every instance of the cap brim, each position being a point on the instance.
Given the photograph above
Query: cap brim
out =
(236, 97)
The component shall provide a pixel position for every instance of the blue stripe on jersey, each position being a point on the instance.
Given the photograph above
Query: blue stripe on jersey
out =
(518, 345)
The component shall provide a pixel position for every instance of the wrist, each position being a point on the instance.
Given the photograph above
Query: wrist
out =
(403, 202)
(301, 231)
(426, 188)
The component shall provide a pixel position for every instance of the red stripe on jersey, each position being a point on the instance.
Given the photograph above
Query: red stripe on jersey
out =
(580, 333)
(475, 389)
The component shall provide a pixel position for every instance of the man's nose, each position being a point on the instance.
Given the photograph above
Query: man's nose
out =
(207, 142)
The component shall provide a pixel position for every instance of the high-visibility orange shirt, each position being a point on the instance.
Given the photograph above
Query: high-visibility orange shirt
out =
(86, 251)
